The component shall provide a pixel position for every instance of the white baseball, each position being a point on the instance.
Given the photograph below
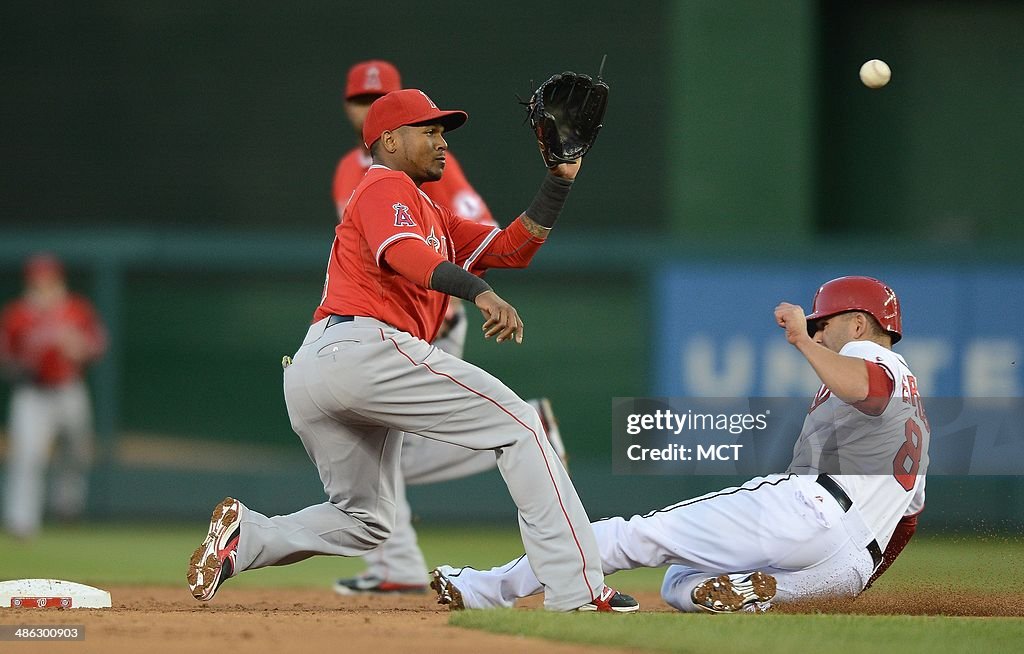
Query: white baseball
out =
(875, 74)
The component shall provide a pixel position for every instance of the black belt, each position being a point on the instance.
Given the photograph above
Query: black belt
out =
(844, 502)
(337, 320)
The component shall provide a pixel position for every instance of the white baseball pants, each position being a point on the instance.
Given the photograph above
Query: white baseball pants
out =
(38, 417)
(786, 525)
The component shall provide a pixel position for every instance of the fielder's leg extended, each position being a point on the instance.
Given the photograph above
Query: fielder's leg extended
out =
(450, 400)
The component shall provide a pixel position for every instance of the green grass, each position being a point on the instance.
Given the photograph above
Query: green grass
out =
(157, 555)
(99, 554)
(764, 634)
(947, 564)
(105, 555)
(975, 563)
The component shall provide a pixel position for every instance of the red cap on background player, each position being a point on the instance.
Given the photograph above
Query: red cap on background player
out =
(406, 107)
(374, 77)
(43, 265)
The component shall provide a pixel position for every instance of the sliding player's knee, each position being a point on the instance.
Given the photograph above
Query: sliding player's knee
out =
(674, 589)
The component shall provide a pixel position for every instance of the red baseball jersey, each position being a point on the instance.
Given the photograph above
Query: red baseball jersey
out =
(453, 190)
(31, 338)
(387, 207)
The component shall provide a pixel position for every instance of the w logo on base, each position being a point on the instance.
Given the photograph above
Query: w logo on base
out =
(402, 216)
(43, 602)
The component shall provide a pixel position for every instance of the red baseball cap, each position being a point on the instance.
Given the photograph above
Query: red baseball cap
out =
(374, 77)
(406, 107)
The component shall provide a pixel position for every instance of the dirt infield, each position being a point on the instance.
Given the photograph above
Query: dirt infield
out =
(926, 600)
(167, 620)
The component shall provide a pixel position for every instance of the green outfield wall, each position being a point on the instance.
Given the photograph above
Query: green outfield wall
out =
(179, 156)
(189, 402)
(728, 120)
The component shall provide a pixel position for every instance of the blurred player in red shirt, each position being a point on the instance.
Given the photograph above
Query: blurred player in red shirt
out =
(47, 337)
(367, 81)
(398, 565)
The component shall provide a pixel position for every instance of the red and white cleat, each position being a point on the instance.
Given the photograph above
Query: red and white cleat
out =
(612, 601)
(213, 562)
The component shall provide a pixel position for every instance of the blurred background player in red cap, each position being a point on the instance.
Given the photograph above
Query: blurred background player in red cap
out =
(398, 565)
(47, 337)
(367, 81)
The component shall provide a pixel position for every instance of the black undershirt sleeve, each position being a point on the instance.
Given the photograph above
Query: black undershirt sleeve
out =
(449, 278)
(548, 202)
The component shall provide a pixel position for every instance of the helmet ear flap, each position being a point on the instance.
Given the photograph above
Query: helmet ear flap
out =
(812, 328)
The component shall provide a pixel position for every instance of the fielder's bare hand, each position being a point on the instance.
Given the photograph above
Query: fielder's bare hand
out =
(501, 318)
(565, 170)
(791, 318)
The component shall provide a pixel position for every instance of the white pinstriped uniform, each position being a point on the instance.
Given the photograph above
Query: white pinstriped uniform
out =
(787, 524)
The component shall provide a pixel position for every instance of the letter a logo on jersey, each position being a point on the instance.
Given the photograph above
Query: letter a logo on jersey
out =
(402, 216)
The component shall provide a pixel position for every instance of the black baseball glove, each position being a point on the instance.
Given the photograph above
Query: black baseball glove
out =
(565, 113)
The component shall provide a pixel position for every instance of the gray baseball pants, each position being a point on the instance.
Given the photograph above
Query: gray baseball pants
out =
(424, 461)
(352, 391)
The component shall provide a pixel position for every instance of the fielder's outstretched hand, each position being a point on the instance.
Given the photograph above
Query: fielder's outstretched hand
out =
(566, 170)
(500, 318)
(791, 318)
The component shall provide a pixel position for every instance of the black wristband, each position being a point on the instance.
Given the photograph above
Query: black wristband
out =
(449, 278)
(548, 202)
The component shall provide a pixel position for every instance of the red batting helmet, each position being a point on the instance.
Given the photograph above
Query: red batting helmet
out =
(857, 294)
